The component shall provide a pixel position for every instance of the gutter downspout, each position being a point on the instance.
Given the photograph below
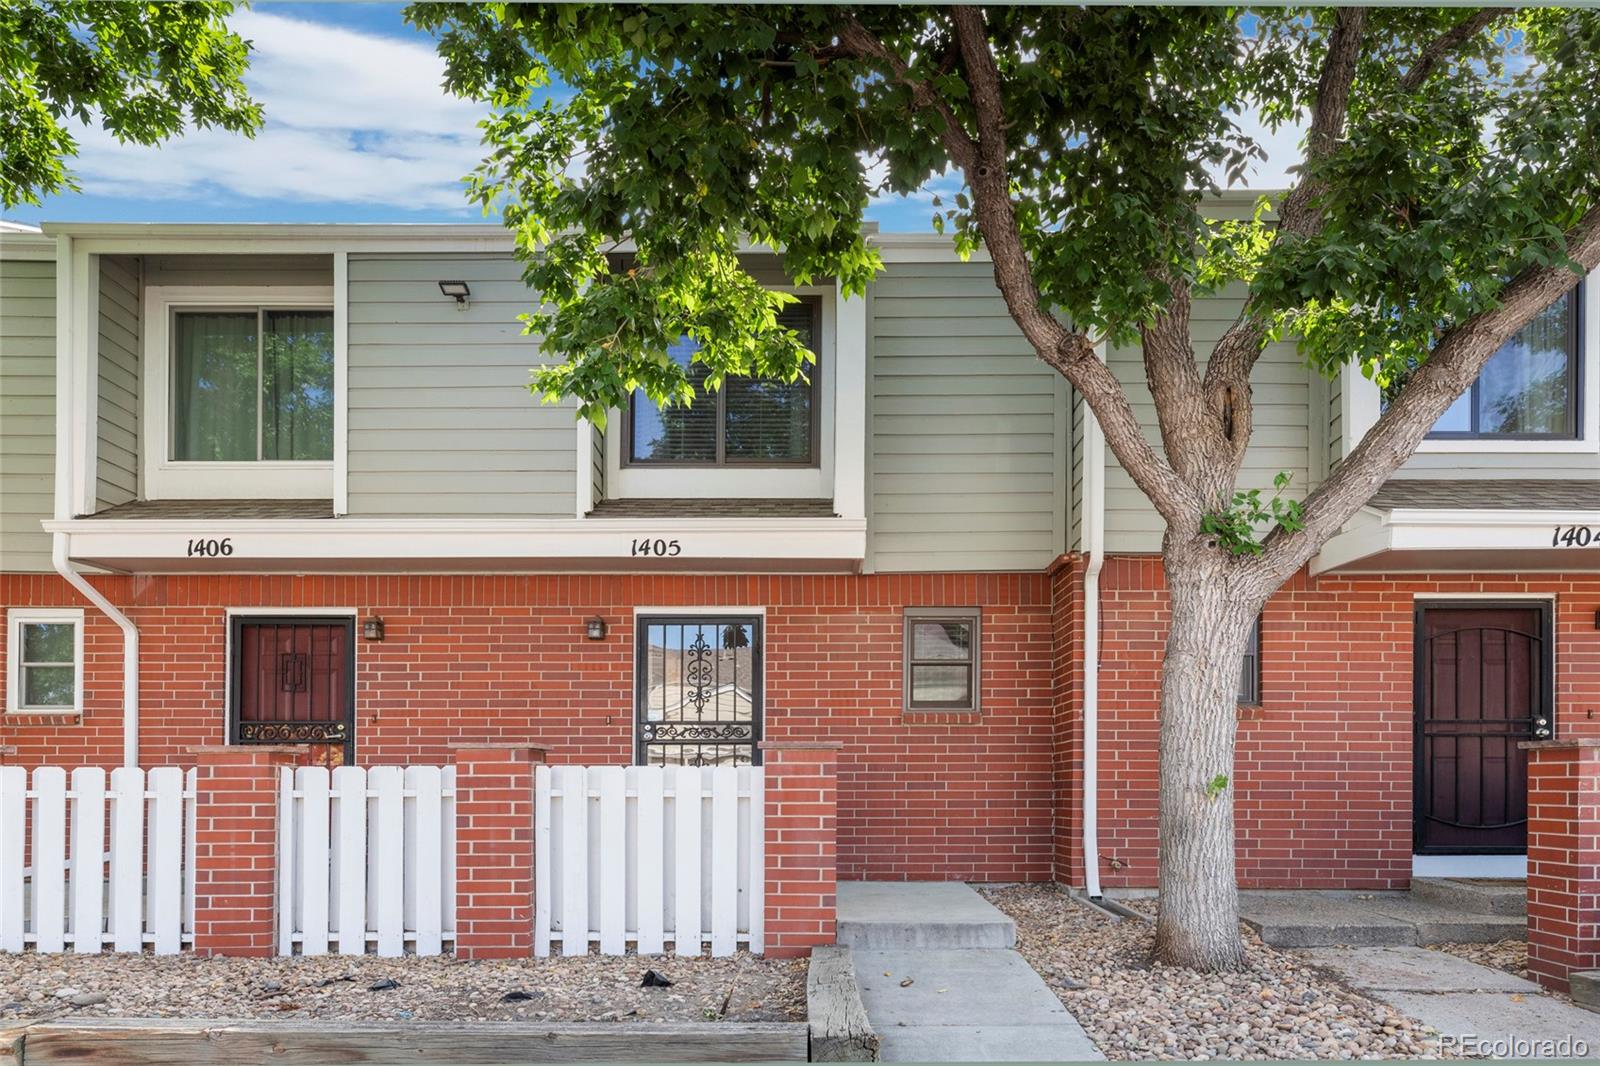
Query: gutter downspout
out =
(1094, 535)
(130, 647)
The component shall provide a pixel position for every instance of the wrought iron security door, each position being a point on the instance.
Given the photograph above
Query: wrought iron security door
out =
(698, 691)
(294, 683)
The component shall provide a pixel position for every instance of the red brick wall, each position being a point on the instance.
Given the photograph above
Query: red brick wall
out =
(504, 658)
(1324, 767)
(1563, 862)
(800, 846)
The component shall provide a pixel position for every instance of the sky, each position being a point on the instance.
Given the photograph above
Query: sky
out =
(358, 129)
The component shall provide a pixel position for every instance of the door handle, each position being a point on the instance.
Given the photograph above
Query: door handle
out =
(1541, 729)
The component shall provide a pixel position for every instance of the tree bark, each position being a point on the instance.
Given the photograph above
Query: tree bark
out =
(1198, 925)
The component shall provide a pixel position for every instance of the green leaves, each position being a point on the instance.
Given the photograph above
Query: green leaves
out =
(146, 71)
(1236, 527)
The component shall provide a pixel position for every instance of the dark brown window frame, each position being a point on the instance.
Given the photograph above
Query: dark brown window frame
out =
(1575, 384)
(721, 459)
(909, 619)
(1251, 696)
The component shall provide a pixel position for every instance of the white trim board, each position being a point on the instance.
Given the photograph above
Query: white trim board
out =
(1513, 867)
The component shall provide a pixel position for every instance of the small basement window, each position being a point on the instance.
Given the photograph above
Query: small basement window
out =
(941, 659)
(44, 648)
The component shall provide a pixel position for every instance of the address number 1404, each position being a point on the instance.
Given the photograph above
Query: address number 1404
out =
(1575, 537)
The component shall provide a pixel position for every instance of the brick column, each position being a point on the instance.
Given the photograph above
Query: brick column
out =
(1563, 859)
(801, 841)
(494, 849)
(236, 848)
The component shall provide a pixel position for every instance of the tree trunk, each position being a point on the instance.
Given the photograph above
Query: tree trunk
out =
(1199, 922)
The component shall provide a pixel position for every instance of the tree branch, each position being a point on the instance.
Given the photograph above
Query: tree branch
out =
(1069, 352)
(1436, 50)
(860, 41)
(1452, 366)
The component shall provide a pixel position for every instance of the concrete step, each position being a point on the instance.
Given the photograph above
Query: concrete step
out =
(1482, 895)
(1294, 919)
(1586, 988)
(905, 915)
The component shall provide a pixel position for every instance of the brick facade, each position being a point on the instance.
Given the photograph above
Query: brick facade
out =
(504, 659)
(494, 850)
(1325, 763)
(236, 849)
(1563, 861)
(801, 853)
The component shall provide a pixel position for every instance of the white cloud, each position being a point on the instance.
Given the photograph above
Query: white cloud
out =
(350, 118)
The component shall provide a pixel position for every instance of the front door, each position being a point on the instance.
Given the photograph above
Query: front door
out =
(698, 692)
(293, 682)
(1483, 684)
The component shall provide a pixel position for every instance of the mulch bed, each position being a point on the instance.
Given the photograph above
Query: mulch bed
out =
(585, 988)
(1277, 1007)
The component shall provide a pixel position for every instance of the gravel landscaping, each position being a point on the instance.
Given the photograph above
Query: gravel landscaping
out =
(587, 988)
(1276, 1008)
(1508, 955)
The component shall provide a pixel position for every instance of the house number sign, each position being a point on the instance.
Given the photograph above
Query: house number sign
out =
(656, 546)
(210, 547)
(1575, 537)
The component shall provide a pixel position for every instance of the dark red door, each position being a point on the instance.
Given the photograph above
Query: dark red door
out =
(1483, 685)
(294, 683)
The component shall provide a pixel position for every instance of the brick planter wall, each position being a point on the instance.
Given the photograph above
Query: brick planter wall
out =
(495, 850)
(801, 846)
(1563, 859)
(236, 849)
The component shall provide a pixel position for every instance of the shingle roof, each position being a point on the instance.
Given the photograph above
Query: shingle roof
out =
(218, 509)
(1503, 494)
(718, 508)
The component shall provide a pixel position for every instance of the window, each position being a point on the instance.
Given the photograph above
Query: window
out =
(1250, 674)
(941, 659)
(252, 385)
(1529, 388)
(751, 421)
(698, 698)
(45, 652)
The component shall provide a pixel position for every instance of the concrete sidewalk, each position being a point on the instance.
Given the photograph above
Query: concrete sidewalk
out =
(1472, 1006)
(940, 982)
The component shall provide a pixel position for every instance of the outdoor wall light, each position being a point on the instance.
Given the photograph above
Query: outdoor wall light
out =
(595, 628)
(457, 291)
(372, 628)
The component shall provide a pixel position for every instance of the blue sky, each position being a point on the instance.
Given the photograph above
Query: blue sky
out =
(357, 130)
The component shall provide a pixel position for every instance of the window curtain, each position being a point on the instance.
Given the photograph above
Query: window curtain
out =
(214, 386)
(297, 386)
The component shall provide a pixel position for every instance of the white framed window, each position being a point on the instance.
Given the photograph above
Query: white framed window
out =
(240, 396)
(44, 660)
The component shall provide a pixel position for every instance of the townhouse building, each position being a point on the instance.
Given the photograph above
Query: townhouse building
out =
(286, 484)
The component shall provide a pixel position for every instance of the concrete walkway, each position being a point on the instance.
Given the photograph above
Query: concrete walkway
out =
(1471, 1006)
(1315, 919)
(941, 983)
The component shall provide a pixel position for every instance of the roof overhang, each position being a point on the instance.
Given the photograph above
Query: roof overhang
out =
(1413, 540)
(424, 545)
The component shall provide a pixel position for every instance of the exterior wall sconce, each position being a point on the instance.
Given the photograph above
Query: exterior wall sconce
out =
(457, 291)
(372, 628)
(595, 628)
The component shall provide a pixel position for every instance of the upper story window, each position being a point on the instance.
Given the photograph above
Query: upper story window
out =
(750, 421)
(252, 385)
(1529, 389)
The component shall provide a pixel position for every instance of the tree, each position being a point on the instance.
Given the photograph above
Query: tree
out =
(143, 70)
(1448, 193)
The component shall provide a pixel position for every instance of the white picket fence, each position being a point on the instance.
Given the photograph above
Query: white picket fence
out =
(96, 864)
(648, 854)
(366, 856)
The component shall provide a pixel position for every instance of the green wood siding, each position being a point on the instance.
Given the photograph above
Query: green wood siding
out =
(441, 419)
(117, 461)
(966, 446)
(27, 411)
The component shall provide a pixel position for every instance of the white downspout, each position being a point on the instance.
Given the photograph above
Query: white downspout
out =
(130, 647)
(1094, 541)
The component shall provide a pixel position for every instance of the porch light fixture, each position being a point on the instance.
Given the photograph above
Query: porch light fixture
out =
(372, 628)
(457, 291)
(595, 628)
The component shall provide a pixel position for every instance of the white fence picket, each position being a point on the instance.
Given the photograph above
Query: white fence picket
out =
(86, 858)
(165, 890)
(350, 857)
(191, 817)
(311, 816)
(423, 860)
(386, 784)
(13, 826)
(49, 858)
(127, 859)
(674, 853)
(755, 862)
